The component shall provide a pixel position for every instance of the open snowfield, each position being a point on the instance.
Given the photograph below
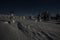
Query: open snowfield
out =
(29, 30)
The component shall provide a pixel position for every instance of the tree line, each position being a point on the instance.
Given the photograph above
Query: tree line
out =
(47, 17)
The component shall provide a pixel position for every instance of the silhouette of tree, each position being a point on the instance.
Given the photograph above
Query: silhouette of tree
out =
(38, 17)
(30, 17)
(57, 16)
(45, 16)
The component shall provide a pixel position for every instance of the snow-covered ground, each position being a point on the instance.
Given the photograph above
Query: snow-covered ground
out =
(47, 30)
(24, 29)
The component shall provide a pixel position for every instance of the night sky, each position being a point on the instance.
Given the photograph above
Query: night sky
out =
(29, 7)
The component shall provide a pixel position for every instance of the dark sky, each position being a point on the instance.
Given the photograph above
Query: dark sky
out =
(29, 7)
